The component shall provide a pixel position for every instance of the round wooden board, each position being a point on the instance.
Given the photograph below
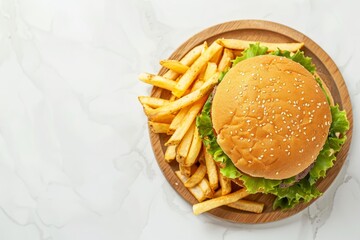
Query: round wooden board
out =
(257, 30)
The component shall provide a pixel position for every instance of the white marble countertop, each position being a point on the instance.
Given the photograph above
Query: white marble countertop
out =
(75, 157)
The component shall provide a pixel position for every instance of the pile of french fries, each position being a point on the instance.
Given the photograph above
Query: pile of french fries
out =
(190, 81)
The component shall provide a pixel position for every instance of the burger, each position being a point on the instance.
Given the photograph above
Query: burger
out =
(272, 126)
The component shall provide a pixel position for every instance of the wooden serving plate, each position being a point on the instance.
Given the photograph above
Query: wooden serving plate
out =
(268, 32)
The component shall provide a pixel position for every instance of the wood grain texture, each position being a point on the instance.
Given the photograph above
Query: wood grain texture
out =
(269, 32)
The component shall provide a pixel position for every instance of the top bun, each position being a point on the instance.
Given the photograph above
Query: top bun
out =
(271, 117)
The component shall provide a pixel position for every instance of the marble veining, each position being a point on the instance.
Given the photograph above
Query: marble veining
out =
(75, 157)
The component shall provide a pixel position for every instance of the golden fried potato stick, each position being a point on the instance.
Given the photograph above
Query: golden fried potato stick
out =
(202, 74)
(225, 61)
(194, 150)
(187, 60)
(178, 119)
(153, 102)
(217, 193)
(216, 58)
(195, 191)
(174, 65)
(188, 78)
(210, 70)
(184, 145)
(166, 118)
(157, 81)
(156, 127)
(248, 206)
(211, 171)
(186, 123)
(225, 184)
(170, 153)
(187, 100)
(243, 44)
(196, 178)
(205, 187)
(186, 171)
(220, 201)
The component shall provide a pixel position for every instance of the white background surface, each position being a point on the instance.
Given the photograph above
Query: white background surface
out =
(75, 157)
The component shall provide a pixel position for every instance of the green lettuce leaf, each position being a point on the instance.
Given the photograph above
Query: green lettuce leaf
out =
(318, 80)
(298, 57)
(289, 197)
(339, 124)
(326, 158)
(253, 51)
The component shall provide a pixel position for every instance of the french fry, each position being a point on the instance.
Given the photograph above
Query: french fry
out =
(210, 70)
(187, 79)
(186, 123)
(202, 73)
(225, 184)
(220, 201)
(205, 47)
(174, 65)
(248, 206)
(196, 177)
(205, 187)
(195, 191)
(166, 118)
(178, 119)
(170, 153)
(197, 84)
(216, 58)
(243, 44)
(184, 145)
(187, 60)
(217, 193)
(187, 100)
(152, 101)
(186, 171)
(158, 81)
(194, 150)
(211, 171)
(237, 53)
(156, 127)
(201, 157)
(225, 61)
(172, 98)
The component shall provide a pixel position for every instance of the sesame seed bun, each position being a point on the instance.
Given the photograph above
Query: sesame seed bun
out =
(271, 117)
